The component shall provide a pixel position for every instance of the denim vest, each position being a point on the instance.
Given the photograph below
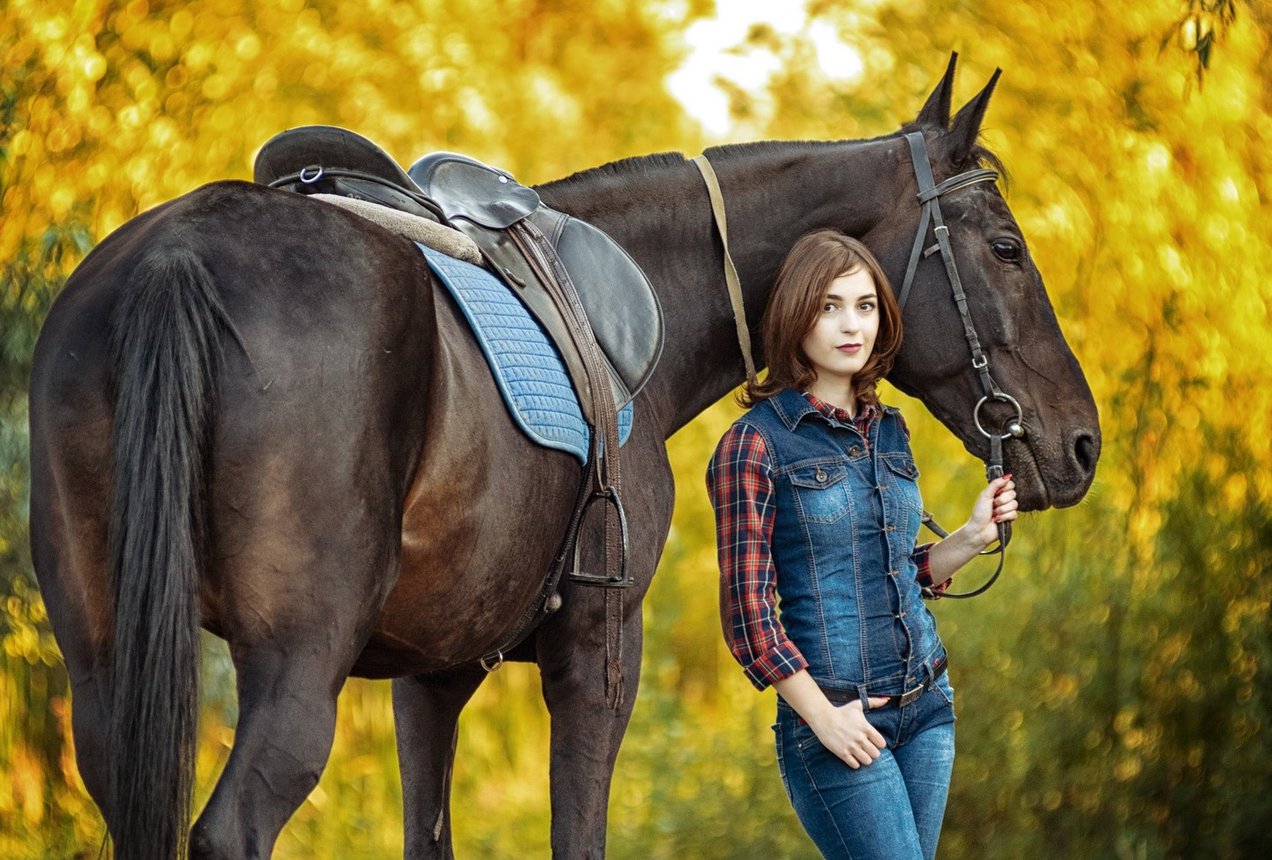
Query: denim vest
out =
(847, 517)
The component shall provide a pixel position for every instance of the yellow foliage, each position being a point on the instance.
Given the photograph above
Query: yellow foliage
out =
(1145, 201)
(124, 107)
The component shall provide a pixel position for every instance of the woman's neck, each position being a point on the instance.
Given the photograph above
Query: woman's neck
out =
(836, 394)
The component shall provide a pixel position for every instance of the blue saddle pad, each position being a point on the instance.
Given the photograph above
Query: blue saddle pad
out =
(526, 365)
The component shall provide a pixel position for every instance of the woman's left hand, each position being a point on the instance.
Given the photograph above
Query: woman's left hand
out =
(996, 504)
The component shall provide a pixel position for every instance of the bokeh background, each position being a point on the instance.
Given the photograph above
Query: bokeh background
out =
(1114, 690)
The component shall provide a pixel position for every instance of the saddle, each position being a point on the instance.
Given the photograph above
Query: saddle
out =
(324, 159)
(525, 243)
(590, 297)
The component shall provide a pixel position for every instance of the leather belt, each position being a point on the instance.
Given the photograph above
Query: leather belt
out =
(843, 697)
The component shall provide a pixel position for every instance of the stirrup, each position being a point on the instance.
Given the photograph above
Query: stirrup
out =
(624, 578)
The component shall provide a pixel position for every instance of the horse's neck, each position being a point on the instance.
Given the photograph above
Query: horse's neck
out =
(658, 210)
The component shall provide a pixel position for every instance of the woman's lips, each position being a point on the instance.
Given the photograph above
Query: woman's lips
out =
(849, 347)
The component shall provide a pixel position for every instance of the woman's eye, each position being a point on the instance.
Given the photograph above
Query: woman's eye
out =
(866, 306)
(1006, 250)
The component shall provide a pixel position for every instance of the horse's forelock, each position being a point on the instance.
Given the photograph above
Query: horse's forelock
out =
(982, 156)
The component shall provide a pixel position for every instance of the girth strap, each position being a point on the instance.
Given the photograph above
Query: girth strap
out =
(602, 479)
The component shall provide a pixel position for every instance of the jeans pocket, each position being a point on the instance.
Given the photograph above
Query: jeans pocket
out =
(806, 739)
(777, 739)
(945, 690)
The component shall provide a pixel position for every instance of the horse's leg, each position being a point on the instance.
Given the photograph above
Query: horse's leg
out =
(287, 721)
(426, 712)
(572, 652)
(292, 657)
(586, 732)
(69, 500)
(307, 516)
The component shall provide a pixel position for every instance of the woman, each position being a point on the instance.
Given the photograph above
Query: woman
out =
(816, 500)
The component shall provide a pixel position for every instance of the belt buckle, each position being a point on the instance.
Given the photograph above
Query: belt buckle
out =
(911, 696)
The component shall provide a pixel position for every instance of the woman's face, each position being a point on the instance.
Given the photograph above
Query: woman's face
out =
(843, 335)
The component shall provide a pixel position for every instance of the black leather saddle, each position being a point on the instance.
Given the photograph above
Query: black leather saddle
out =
(485, 203)
(325, 159)
(466, 188)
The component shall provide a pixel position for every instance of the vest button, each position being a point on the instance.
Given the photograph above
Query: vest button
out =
(821, 476)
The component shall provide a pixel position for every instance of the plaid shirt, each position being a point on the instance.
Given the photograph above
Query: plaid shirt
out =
(740, 482)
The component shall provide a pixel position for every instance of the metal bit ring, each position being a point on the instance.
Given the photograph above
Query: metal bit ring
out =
(1015, 429)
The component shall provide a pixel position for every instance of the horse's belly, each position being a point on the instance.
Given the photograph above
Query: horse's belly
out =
(478, 539)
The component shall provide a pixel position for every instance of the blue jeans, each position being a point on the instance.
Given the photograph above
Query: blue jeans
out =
(890, 808)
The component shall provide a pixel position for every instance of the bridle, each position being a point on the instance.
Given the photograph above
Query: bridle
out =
(929, 196)
(929, 199)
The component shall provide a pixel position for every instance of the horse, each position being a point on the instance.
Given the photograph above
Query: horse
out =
(261, 415)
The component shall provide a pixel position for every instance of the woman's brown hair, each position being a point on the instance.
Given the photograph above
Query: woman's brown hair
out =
(813, 262)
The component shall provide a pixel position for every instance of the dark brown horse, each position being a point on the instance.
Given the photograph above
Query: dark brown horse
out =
(259, 414)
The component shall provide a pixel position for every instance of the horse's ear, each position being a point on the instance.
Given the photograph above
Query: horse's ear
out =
(966, 126)
(936, 111)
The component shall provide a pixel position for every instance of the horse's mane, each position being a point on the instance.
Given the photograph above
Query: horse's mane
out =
(624, 167)
(980, 156)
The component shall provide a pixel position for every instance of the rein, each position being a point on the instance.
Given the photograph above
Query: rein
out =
(929, 199)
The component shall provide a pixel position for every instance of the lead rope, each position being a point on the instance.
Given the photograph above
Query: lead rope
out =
(993, 471)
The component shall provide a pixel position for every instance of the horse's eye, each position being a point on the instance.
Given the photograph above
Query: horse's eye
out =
(1006, 250)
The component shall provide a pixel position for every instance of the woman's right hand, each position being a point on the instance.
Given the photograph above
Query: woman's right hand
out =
(845, 731)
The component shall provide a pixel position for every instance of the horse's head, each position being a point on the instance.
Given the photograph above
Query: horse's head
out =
(1053, 451)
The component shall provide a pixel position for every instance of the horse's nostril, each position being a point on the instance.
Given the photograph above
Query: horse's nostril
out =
(1087, 451)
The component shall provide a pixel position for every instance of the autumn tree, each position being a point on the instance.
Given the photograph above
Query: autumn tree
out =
(1112, 689)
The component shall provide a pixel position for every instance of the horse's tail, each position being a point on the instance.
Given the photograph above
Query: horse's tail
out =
(166, 349)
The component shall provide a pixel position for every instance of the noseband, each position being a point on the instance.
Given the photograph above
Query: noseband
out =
(929, 198)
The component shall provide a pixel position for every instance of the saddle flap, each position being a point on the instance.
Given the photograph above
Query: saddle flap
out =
(621, 306)
(466, 188)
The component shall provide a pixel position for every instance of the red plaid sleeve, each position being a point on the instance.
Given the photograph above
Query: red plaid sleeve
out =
(740, 483)
(924, 573)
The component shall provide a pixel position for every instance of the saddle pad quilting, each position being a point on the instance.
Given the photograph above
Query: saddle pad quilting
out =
(527, 368)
